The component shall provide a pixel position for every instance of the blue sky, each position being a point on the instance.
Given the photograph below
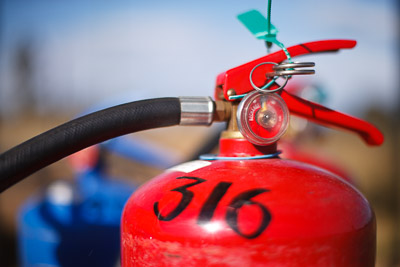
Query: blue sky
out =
(86, 52)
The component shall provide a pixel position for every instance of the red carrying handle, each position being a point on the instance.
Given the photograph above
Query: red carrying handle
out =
(238, 80)
(328, 117)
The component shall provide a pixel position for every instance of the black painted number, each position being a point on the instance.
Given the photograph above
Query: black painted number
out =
(185, 200)
(207, 211)
(209, 206)
(245, 199)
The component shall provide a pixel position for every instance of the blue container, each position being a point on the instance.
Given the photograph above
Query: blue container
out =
(74, 224)
(78, 224)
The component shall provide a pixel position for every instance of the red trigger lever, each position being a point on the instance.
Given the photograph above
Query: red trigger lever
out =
(237, 80)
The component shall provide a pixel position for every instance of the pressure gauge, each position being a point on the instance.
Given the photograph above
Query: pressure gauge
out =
(262, 117)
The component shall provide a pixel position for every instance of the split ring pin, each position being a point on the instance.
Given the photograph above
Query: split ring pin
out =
(290, 68)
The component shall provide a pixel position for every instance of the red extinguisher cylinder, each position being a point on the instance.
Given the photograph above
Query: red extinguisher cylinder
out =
(256, 212)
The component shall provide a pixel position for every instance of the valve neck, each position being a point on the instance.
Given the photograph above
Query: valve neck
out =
(235, 147)
(232, 131)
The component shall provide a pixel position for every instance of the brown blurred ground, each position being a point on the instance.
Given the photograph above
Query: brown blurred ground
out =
(372, 169)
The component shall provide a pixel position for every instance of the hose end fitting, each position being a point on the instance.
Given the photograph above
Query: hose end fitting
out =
(196, 110)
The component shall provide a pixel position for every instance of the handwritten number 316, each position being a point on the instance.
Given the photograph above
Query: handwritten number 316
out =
(209, 206)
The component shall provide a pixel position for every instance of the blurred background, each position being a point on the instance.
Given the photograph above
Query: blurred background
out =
(61, 58)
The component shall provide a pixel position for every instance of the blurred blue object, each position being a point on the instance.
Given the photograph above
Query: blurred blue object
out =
(78, 224)
(74, 224)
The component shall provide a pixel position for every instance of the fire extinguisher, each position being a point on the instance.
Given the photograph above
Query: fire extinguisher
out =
(246, 206)
(243, 207)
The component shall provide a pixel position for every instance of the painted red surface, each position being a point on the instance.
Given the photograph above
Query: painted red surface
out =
(290, 151)
(268, 212)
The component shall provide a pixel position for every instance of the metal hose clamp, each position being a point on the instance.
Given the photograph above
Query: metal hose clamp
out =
(196, 110)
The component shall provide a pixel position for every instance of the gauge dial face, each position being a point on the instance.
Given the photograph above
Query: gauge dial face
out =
(262, 117)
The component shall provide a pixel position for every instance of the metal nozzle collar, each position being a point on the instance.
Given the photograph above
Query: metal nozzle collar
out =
(196, 110)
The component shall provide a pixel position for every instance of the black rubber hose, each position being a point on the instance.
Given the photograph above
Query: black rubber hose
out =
(68, 138)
